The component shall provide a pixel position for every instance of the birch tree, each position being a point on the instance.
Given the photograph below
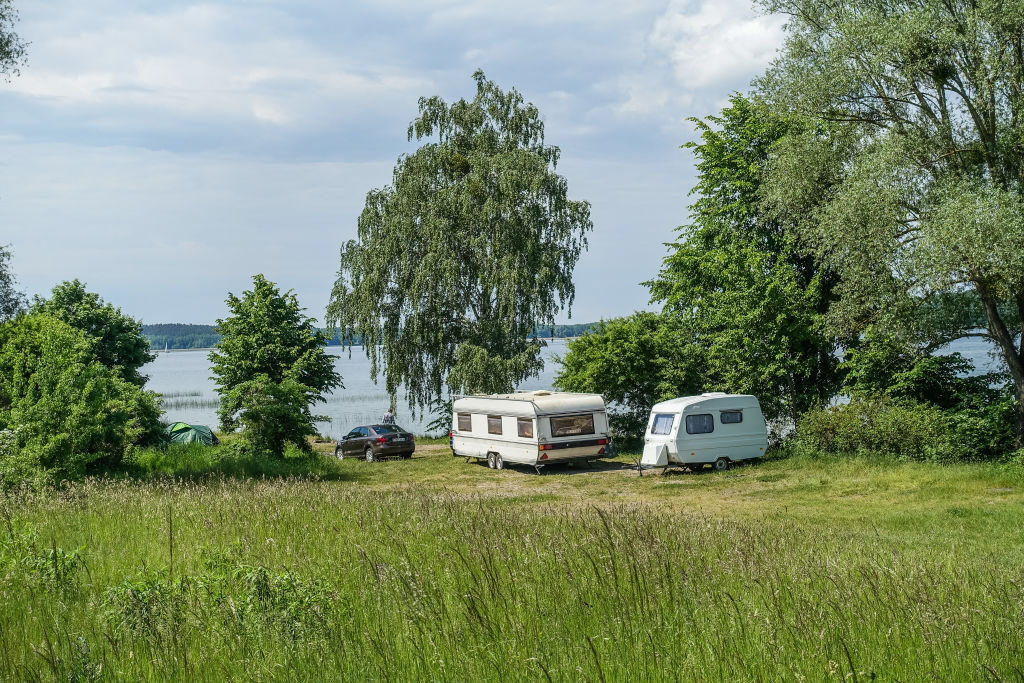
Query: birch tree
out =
(469, 249)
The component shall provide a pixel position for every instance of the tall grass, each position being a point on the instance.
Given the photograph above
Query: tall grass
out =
(196, 461)
(301, 579)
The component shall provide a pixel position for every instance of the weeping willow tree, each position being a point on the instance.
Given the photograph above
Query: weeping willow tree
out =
(469, 249)
(909, 175)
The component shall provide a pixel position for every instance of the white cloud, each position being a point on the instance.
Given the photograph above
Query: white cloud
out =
(201, 60)
(714, 43)
(254, 129)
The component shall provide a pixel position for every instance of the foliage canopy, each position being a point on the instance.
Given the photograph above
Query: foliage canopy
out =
(119, 342)
(743, 305)
(270, 367)
(908, 176)
(468, 251)
(737, 279)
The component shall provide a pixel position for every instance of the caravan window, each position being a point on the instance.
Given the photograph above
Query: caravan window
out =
(731, 417)
(525, 425)
(663, 423)
(465, 422)
(494, 424)
(572, 425)
(700, 424)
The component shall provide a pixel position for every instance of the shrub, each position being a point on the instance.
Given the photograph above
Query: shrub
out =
(63, 410)
(907, 430)
(878, 426)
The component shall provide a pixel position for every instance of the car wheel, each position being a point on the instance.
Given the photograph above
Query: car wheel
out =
(490, 460)
(368, 454)
(499, 464)
(338, 453)
(406, 456)
(721, 465)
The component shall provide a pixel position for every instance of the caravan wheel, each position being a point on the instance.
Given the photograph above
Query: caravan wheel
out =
(490, 460)
(721, 465)
(499, 464)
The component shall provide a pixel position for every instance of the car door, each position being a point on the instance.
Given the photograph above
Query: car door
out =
(352, 443)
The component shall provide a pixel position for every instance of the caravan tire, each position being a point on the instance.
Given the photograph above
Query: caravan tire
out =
(499, 464)
(721, 465)
(490, 460)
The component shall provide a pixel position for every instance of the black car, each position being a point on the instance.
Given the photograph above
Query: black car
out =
(374, 442)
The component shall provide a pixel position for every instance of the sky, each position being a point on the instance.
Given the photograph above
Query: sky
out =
(165, 151)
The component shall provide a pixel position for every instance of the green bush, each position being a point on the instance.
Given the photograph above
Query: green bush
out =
(61, 410)
(906, 430)
(866, 426)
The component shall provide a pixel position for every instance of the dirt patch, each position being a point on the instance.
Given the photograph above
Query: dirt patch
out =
(432, 448)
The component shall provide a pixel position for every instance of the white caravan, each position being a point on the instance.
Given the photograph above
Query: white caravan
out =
(533, 428)
(715, 428)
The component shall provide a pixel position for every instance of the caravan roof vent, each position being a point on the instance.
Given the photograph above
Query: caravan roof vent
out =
(714, 393)
(542, 392)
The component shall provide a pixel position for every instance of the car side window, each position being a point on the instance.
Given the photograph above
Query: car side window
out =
(362, 431)
(353, 434)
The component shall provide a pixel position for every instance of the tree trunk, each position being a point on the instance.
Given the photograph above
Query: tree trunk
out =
(997, 328)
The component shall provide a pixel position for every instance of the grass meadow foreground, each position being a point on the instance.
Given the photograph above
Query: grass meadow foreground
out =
(434, 569)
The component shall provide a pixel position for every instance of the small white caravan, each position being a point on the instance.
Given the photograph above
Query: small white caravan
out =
(533, 428)
(715, 428)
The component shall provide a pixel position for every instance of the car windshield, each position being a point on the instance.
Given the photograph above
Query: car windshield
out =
(388, 429)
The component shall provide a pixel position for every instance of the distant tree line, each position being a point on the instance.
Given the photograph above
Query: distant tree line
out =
(180, 336)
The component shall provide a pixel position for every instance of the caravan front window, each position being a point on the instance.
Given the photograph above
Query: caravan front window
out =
(700, 424)
(525, 426)
(663, 423)
(572, 425)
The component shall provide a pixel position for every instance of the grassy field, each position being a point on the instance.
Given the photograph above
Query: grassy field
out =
(791, 569)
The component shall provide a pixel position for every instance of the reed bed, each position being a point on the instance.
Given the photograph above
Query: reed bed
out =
(223, 578)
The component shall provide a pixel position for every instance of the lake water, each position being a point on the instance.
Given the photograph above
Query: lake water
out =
(184, 379)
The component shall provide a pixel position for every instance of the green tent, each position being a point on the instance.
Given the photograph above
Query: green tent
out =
(182, 432)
